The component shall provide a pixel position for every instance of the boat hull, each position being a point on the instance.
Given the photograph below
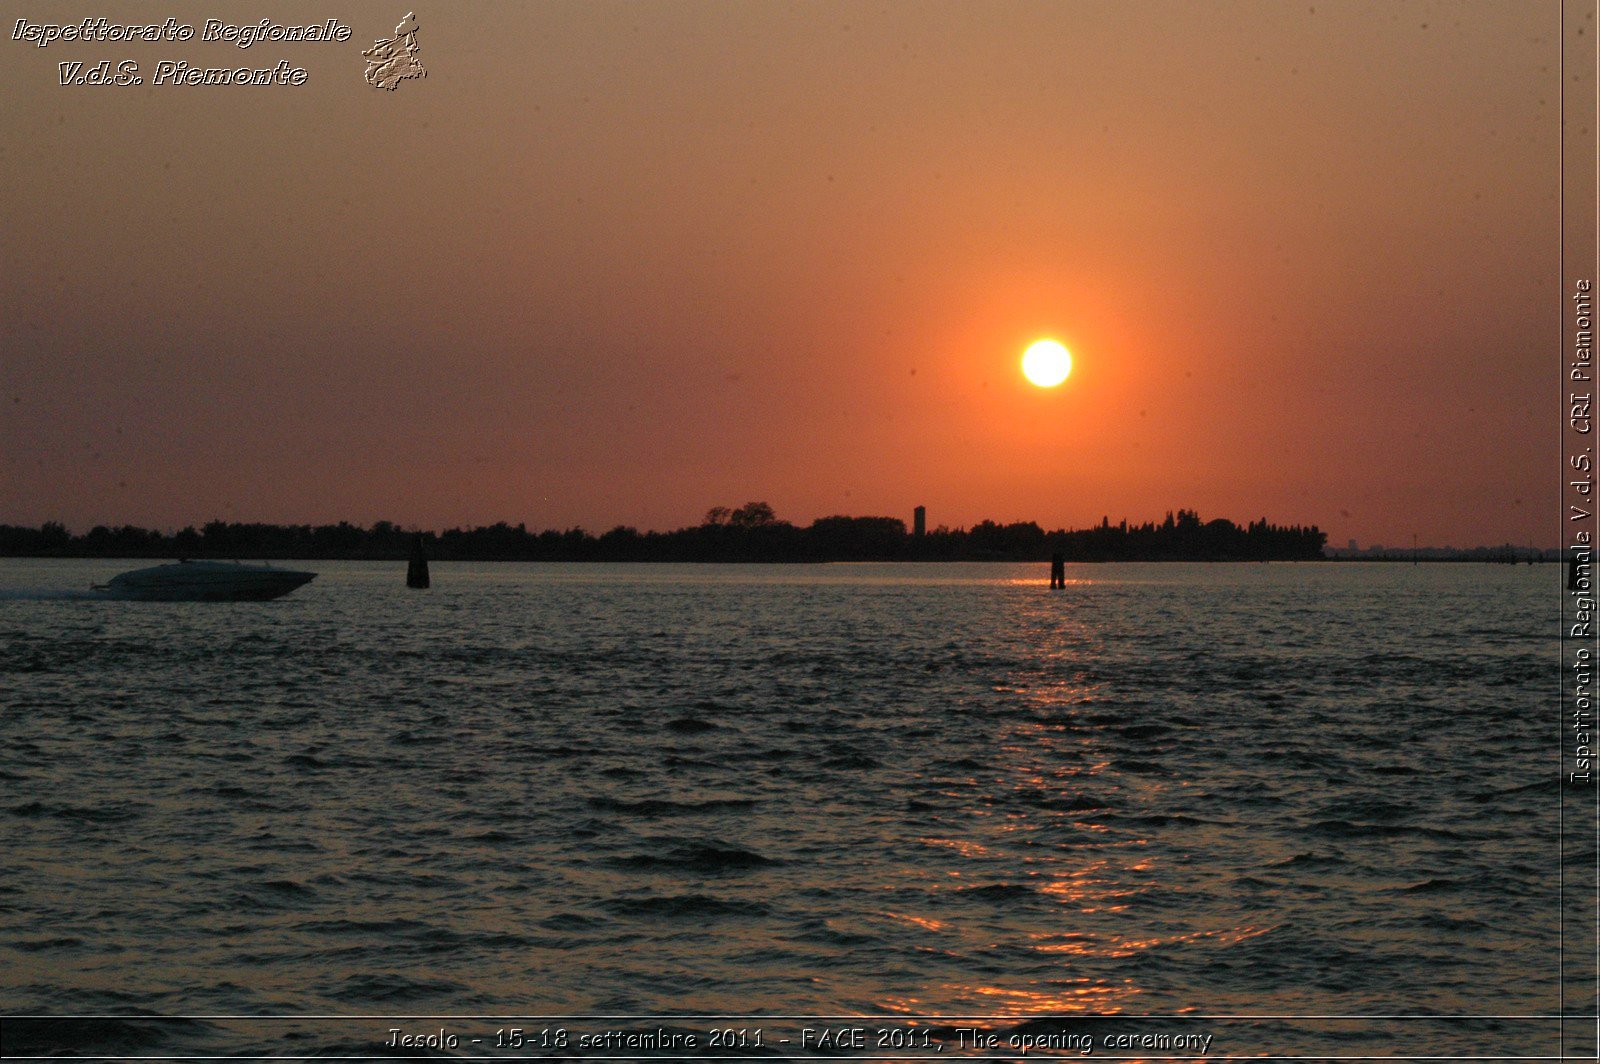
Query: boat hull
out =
(205, 582)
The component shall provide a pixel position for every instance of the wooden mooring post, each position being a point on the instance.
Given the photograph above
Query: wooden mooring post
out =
(417, 567)
(1058, 573)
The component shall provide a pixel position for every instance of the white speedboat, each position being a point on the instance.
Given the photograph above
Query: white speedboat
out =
(191, 581)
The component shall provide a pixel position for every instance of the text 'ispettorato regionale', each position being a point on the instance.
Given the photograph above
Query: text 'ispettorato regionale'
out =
(243, 34)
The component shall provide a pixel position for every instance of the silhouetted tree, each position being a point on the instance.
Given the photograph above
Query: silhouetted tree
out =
(752, 515)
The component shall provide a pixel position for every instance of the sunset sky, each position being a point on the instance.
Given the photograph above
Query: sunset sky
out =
(616, 263)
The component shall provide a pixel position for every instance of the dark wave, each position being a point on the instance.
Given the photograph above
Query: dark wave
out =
(685, 905)
(656, 808)
(695, 857)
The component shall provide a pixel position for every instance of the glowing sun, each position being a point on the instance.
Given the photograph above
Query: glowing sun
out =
(1046, 363)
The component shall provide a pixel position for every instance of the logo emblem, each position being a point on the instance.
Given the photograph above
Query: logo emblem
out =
(392, 61)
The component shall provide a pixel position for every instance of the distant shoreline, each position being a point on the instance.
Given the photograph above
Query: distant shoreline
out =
(1460, 559)
(749, 534)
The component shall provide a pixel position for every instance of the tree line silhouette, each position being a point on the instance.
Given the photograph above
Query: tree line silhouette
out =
(750, 533)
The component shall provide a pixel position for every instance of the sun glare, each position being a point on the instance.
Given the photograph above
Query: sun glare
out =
(1046, 363)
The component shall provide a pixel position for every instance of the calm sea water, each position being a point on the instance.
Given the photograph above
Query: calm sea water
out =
(1287, 790)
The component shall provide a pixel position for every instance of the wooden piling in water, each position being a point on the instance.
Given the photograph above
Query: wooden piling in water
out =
(417, 567)
(1058, 572)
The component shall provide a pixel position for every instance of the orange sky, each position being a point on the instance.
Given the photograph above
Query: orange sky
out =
(620, 262)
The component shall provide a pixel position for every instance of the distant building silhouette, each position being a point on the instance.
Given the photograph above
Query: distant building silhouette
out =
(919, 521)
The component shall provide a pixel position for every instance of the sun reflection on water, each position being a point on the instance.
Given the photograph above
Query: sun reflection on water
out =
(1081, 995)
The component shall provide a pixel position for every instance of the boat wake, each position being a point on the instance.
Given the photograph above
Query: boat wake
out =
(50, 594)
